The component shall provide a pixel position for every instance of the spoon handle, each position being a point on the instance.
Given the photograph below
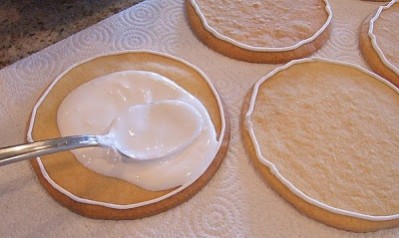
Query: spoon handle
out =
(20, 152)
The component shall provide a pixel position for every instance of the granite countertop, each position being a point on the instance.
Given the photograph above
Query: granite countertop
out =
(27, 26)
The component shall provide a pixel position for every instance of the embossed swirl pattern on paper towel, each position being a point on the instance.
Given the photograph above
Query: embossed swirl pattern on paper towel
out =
(24, 74)
(88, 40)
(343, 38)
(135, 39)
(342, 44)
(213, 222)
(144, 15)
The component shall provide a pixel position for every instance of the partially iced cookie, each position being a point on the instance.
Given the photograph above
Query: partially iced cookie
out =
(325, 135)
(379, 41)
(176, 124)
(261, 31)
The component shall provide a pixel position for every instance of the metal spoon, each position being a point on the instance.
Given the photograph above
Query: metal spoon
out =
(121, 127)
(12, 154)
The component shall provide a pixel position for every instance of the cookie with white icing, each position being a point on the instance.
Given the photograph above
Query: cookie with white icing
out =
(379, 41)
(325, 136)
(93, 187)
(261, 31)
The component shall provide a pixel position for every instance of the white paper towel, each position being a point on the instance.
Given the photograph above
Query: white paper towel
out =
(236, 202)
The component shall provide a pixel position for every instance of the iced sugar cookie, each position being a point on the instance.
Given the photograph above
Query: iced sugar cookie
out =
(176, 127)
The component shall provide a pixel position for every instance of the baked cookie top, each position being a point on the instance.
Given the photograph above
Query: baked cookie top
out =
(384, 34)
(328, 132)
(90, 192)
(264, 25)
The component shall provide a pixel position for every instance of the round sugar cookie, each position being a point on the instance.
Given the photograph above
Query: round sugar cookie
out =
(324, 135)
(261, 31)
(97, 196)
(379, 41)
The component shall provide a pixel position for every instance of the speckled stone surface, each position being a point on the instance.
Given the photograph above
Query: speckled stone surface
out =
(27, 26)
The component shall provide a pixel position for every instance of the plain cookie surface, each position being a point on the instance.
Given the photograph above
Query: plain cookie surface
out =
(379, 41)
(261, 31)
(325, 136)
